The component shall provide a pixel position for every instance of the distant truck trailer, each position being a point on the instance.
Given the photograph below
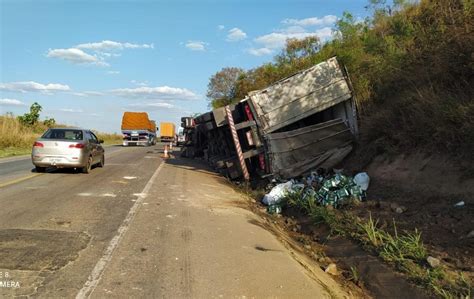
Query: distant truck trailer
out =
(138, 129)
(167, 132)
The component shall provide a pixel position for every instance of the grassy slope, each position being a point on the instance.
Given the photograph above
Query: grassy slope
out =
(16, 139)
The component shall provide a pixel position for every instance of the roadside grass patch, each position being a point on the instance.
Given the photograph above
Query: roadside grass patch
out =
(354, 276)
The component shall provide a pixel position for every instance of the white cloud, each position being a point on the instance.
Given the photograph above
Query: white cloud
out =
(11, 102)
(314, 21)
(111, 45)
(155, 105)
(325, 33)
(108, 55)
(161, 92)
(277, 40)
(87, 93)
(221, 27)
(113, 72)
(79, 53)
(236, 34)
(259, 51)
(139, 83)
(75, 56)
(196, 45)
(31, 86)
(293, 29)
(70, 110)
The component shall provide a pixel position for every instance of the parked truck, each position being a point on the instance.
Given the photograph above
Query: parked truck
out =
(138, 129)
(167, 132)
(298, 124)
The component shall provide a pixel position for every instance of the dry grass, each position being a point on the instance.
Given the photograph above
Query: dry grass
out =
(13, 135)
(110, 138)
(17, 139)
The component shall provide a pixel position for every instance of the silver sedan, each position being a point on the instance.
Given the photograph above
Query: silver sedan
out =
(68, 148)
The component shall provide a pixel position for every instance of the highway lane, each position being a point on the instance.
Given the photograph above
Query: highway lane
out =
(64, 220)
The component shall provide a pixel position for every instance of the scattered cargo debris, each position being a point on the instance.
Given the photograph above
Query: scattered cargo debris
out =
(316, 189)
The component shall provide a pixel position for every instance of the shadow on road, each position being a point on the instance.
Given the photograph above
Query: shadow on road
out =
(53, 170)
(190, 164)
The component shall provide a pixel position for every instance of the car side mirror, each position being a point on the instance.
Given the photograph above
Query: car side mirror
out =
(101, 140)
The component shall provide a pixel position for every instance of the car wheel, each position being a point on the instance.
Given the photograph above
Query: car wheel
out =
(87, 168)
(40, 169)
(102, 161)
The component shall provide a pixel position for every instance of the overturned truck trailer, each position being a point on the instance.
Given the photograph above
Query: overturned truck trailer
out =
(298, 124)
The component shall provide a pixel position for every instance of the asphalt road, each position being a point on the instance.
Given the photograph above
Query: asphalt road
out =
(140, 227)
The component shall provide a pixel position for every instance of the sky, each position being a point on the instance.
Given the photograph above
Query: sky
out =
(87, 62)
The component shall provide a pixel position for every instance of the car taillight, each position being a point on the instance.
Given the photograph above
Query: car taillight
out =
(77, 145)
(38, 144)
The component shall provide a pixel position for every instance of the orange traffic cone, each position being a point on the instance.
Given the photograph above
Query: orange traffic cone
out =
(166, 156)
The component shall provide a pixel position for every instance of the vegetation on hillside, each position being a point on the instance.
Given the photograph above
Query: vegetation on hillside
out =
(411, 64)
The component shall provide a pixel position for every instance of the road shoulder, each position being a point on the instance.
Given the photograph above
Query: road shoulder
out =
(193, 238)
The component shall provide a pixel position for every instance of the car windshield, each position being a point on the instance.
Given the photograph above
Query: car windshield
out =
(66, 134)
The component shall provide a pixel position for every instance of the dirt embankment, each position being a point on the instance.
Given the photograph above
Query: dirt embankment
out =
(435, 196)
(426, 189)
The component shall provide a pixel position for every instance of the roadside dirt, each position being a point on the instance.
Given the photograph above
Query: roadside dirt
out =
(446, 229)
(433, 195)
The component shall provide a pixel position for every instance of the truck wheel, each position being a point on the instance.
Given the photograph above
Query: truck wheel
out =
(87, 168)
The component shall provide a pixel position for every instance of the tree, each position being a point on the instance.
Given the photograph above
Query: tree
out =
(221, 88)
(31, 118)
(49, 122)
(298, 49)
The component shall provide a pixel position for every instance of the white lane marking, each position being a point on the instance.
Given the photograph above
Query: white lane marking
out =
(96, 274)
(109, 195)
(129, 177)
(84, 194)
(140, 194)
